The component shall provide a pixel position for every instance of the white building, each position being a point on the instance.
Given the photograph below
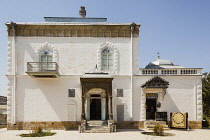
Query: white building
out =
(66, 71)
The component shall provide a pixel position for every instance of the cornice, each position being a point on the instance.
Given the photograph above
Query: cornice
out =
(73, 30)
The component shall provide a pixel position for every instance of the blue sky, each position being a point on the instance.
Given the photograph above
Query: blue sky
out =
(178, 29)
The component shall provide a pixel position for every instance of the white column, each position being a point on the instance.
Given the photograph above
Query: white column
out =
(103, 108)
(87, 109)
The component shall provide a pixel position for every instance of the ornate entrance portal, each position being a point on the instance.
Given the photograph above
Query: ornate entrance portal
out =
(96, 98)
(153, 91)
(95, 104)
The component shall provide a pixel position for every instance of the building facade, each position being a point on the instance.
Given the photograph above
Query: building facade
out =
(66, 71)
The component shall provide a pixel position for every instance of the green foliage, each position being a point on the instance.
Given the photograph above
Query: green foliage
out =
(206, 97)
(206, 123)
(153, 134)
(158, 130)
(38, 132)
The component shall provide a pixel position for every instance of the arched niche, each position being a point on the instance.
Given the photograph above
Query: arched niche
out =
(71, 110)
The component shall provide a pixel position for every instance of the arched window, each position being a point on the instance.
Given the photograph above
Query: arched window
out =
(107, 59)
(46, 59)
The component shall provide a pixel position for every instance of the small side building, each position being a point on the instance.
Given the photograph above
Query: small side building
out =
(3, 105)
(3, 110)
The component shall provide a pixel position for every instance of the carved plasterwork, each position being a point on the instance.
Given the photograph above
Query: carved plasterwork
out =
(100, 91)
(72, 30)
(72, 103)
(199, 102)
(9, 58)
(93, 83)
(9, 100)
(89, 86)
(48, 46)
(156, 82)
(115, 57)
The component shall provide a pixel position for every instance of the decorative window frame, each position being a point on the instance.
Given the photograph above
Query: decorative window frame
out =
(115, 57)
(48, 46)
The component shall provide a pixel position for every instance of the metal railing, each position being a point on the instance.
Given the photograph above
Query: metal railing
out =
(42, 66)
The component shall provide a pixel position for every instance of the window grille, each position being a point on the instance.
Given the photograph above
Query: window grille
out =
(107, 59)
(46, 56)
(71, 93)
(119, 92)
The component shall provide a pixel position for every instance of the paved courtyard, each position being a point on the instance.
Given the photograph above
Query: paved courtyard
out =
(122, 134)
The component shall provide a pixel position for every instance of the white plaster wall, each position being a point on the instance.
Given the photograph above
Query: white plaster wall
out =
(181, 96)
(46, 99)
(135, 55)
(76, 55)
(122, 82)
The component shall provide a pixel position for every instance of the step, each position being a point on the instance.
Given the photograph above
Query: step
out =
(97, 131)
(103, 128)
(99, 121)
(90, 124)
(106, 129)
(97, 124)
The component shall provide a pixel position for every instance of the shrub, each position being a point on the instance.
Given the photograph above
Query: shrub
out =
(158, 130)
(37, 132)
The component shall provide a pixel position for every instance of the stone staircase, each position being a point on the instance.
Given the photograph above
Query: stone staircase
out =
(97, 126)
(150, 125)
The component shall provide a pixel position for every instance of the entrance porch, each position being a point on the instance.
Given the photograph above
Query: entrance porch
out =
(97, 101)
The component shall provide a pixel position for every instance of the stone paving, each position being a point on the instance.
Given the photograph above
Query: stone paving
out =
(121, 134)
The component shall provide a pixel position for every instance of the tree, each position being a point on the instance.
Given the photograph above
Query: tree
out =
(206, 96)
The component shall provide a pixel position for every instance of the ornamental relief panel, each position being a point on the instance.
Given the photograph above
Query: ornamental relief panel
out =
(89, 86)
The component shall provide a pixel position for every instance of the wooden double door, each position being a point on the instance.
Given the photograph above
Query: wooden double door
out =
(151, 108)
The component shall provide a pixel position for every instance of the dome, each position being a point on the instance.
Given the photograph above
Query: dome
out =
(162, 62)
(158, 64)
